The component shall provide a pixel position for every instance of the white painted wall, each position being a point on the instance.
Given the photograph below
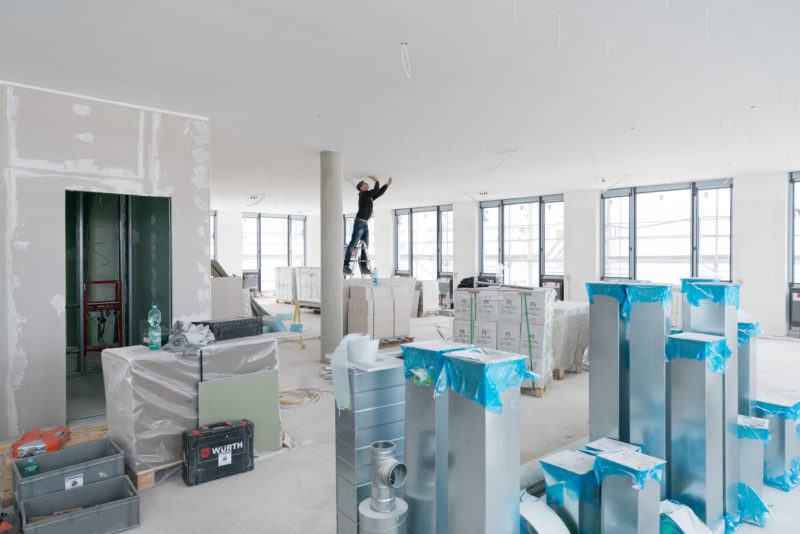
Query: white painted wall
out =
(50, 143)
(760, 247)
(466, 232)
(384, 242)
(581, 242)
(313, 241)
(229, 241)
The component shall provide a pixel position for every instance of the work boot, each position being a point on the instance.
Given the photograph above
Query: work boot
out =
(346, 270)
(365, 270)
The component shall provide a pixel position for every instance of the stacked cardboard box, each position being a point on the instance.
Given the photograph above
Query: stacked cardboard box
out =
(307, 280)
(285, 284)
(382, 311)
(517, 321)
(570, 333)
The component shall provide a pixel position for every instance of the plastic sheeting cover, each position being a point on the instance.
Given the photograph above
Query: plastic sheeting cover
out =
(788, 480)
(752, 508)
(608, 445)
(719, 293)
(423, 359)
(711, 349)
(685, 282)
(481, 375)
(573, 469)
(746, 331)
(151, 396)
(774, 406)
(613, 290)
(677, 518)
(661, 293)
(639, 467)
(753, 428)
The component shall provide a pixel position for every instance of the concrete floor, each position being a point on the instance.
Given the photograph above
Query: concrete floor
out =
(293, 490)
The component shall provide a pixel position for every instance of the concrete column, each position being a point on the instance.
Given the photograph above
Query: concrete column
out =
(332, 254)
(466, 229)
(581, 242)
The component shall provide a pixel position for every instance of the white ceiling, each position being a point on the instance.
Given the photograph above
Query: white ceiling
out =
(510, 97)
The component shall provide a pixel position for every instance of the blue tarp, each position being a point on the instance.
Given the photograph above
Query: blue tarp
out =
(603, 467)
(752, 509)
(425, 363)
(714, 353)
(788, 480)
(749, 330)
(718, 293)
(650, 293)
(481, 381)
(790, 412)
(617, 291)
(746, 431)
(573, 483)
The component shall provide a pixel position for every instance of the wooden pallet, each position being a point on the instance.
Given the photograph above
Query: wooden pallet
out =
(149, 477)
(558, 374)
(284, 302)
(534, 391)
(313, 306)
(392, 341)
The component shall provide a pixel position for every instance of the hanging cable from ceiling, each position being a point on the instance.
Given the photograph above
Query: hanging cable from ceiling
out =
(405, 60)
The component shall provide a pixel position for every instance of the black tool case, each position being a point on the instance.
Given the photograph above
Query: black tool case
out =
(216, 451)
(234, 328)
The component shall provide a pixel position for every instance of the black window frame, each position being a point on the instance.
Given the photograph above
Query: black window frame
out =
(410, 212)
(631, 192)
(289, 219)
(794, 285)
(543, 277)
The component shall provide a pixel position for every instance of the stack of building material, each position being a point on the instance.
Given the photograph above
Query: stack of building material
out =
(401, 282)
(753, 439)
(570, 334)
(286, 284)
(307, 281)
(429, 297)
(510, 320)
(782, 459)
(382, 311)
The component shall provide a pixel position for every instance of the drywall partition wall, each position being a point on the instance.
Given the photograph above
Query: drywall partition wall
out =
(313, 241)
(229, 241)
(50, 143)
(760, 247)
(466, 233)
(384, 242)
(581, 242)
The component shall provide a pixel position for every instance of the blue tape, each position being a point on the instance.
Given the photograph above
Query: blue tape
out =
(797, 431)
(732, 522)
(753, 432)
(481, 381)
(617, 291)
(604, 467)
(426, 360)
(714, 353)
(747, 331)
(752, 509)
(771, 409)
(685, 282)
(650, 293)
(788, 480)
(718, 293)
(566, 481)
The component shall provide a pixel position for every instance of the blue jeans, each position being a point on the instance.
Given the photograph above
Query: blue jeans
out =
(360, 231)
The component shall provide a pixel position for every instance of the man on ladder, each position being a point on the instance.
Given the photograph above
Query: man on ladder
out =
(361, 223)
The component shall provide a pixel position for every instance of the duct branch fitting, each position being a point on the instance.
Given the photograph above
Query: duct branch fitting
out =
(388, 474)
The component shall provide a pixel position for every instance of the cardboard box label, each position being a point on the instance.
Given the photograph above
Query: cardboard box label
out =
(487, 306)
(461, 331)
(508, 337)
(462, 302)
(510, 308)
(485, 334)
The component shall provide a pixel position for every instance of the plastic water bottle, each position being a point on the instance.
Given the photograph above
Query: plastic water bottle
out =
(154, 332)
(374, 276)
(30, 469)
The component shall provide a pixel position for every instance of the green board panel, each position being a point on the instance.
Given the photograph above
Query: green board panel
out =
(253, 396)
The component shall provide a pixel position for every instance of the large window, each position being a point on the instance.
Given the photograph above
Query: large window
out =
(795, 249)
(424, 242)
(522, 240)
(665, 233)
(270, 241)
(213, 232)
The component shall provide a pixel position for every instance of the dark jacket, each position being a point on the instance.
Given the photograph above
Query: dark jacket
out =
(365, 199)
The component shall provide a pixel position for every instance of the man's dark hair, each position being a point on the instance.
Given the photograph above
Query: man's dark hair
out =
(358, 186)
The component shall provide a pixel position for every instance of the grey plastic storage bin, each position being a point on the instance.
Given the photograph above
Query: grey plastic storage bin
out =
(68, 468)
(105, 507)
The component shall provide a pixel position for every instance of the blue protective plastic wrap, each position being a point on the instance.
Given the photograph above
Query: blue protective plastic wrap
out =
(718, 293)
(617, 291)
(790, 412)
(714, 353)
(604, 467)
(685, 282)
(481, 381)
(747, 331)
(423, 363)
(797, 431)
(650, 293)
(573, 483)
(752, 432)
(732, 522)
(788, 480)
(752, 509)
